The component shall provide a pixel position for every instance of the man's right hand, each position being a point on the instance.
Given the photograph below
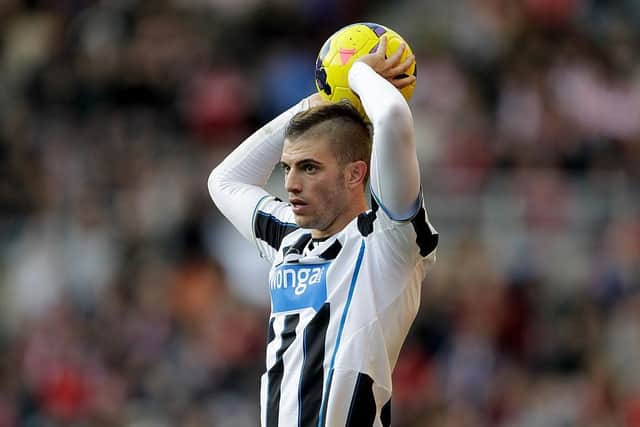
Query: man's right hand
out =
(390, 68)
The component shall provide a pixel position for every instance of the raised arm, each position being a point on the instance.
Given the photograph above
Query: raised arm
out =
(395, 174)
(236, 184)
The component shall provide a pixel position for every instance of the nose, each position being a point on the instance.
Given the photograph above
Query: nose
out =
(292, 182)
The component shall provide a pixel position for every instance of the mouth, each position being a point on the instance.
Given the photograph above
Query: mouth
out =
(298, 205)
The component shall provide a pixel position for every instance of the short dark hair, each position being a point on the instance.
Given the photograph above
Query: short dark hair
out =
(347, 131)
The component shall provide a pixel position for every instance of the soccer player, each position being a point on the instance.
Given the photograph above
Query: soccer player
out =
(345, 279)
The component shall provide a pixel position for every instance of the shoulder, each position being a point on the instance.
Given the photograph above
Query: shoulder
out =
(415, 234)
(273, 221)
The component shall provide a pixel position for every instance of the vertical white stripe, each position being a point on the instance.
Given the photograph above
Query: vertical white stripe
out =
(343, 319)
(292, 360)
(273, 346)
(341, 394)
(270, 360)
(263, 400)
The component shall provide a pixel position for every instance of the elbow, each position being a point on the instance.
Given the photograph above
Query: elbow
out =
(397, 116)
(215, 185)
(399, 112)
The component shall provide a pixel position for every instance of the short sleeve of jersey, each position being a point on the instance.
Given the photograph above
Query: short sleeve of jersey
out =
(272, 221)
(413, 234)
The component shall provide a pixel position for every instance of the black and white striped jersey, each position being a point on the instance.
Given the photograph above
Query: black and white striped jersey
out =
(341, 309)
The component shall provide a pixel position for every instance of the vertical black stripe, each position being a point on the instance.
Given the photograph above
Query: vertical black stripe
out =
(362, 411)
(312, 375)
(270, 229)
(277, 370)
(385, 414)
(271, 334)
(425, 238)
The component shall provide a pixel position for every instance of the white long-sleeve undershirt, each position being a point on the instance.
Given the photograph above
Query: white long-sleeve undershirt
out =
(236, 184)
(395, 173)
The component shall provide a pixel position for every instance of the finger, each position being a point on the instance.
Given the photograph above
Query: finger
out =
(382, 47)
(393, 59)
(402, 67)
(403, 82)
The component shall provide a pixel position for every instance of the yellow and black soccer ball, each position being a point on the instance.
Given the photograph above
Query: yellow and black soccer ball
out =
(339, 52)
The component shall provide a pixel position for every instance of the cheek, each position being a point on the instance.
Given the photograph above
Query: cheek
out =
(326, 191)
(332, 193)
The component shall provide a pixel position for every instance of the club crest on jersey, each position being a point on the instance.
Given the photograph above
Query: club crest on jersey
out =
(297, 286)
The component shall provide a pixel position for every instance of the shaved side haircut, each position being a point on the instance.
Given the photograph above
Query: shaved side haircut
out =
(346, 130)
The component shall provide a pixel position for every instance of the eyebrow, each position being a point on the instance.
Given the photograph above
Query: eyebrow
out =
(300, 162)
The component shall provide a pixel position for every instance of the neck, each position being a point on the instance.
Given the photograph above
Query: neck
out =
(355, 207)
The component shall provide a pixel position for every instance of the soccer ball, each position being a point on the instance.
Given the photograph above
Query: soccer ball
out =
(341, 50)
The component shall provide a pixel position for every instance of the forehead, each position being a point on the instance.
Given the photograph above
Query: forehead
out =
(307, 147)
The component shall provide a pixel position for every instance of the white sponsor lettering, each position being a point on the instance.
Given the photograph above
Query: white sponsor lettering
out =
(296, 278)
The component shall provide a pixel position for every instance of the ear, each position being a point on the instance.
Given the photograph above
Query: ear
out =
(355, 173)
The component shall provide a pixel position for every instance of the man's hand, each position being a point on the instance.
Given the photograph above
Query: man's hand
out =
(390, 68)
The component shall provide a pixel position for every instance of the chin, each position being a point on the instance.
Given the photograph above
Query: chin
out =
(302, 221)
(306, 222)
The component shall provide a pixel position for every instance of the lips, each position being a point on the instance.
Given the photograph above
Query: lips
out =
(298, 205)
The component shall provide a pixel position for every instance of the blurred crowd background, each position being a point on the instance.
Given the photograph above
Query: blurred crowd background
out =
(127, 300)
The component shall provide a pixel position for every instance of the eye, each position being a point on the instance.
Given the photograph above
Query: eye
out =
(310, 168)
(285, 168)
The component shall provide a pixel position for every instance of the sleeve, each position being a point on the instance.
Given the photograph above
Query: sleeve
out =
(236, 184)
(273, 220)
(398, 207)
(395, 173)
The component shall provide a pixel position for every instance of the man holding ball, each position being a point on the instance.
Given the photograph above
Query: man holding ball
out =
(345, 280)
